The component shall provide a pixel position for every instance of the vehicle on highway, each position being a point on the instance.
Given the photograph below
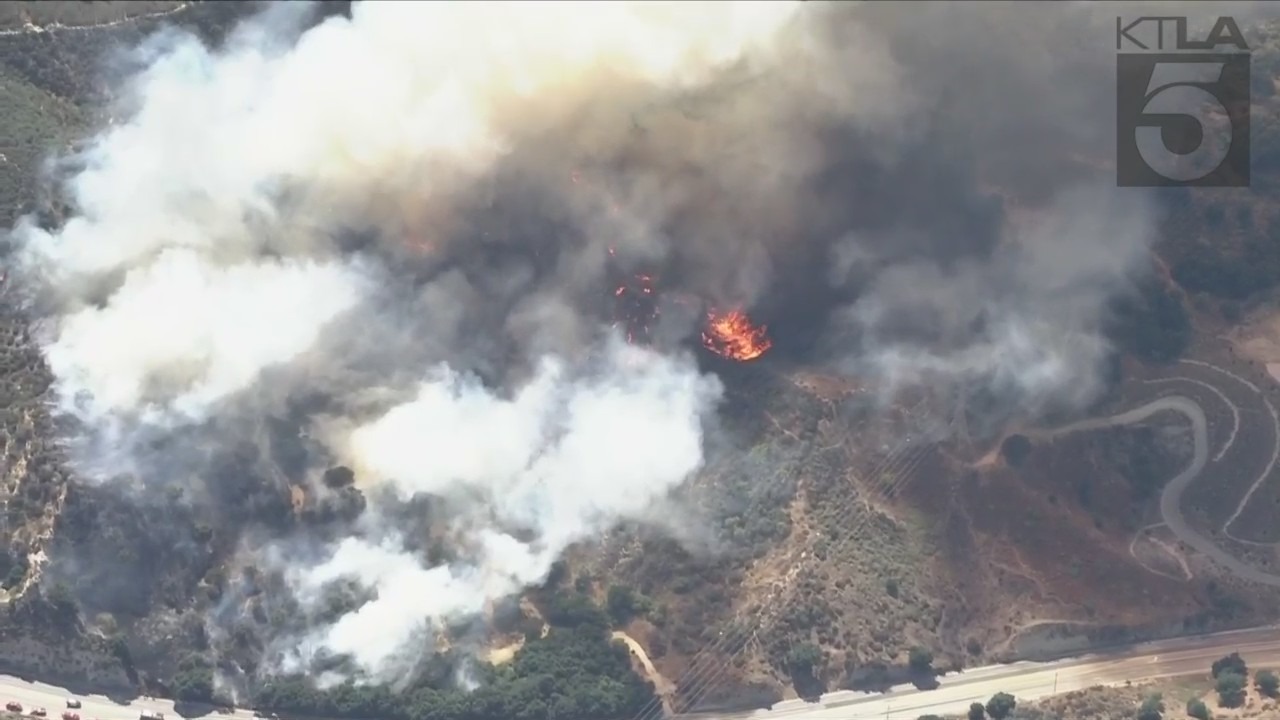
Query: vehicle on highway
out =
(13, 706)
(39, 712)
(73, 703)
(68, 715)
(151, 715)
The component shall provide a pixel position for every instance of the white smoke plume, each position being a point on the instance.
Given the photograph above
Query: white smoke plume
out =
(204, 269)
(561, 461)
(386, 242)
(401, 96)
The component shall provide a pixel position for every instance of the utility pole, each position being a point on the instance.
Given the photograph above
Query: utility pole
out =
(1055, 683)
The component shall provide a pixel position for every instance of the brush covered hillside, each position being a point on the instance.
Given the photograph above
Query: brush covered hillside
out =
(837, 544)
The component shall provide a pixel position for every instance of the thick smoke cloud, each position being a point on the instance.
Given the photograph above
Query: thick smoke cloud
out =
(557, 463)
(389, 242)
(358, 237)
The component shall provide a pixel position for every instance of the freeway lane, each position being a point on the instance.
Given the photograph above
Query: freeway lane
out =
(54, 699)
(1027, 680)
(1260, 647)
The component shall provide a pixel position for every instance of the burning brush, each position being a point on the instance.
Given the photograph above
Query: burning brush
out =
(636, 308)
(731, 335)
(636, 312)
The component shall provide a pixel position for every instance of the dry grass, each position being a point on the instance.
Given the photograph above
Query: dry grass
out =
(877, 558)
(1116, 703)
(1122, 703)
(72, 13)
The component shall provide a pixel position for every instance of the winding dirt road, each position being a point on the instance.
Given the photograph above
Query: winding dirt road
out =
(1171, 496)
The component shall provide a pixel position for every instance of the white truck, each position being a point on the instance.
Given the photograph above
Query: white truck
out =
(151, 715)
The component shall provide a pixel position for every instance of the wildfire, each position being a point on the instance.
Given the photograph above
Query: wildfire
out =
(636, 307)
(731, 335)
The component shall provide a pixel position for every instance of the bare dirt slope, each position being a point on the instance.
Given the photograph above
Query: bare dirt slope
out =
(948, 546)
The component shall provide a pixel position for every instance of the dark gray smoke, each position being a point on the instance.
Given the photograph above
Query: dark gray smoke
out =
(392, 243)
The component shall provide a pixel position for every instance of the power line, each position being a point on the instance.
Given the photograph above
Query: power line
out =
(703, 677)
(710, 679)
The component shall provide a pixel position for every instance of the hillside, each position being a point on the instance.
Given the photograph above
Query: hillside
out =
(836, 542)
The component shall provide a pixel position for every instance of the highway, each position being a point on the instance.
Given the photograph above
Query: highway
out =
(54, 699)
(1026, 680)
(1260, 648)
(1030, 681)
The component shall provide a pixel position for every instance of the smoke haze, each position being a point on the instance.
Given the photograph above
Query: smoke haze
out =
(389, 242)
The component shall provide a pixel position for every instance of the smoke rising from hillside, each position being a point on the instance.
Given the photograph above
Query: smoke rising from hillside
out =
(394, 238)
(560, 461)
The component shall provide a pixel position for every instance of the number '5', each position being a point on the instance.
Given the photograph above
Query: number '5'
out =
(1174, 90)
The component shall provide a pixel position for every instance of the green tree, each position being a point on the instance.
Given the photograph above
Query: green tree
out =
(1268, 683)
(1230, 687)
(193, 681)
(65, 609)
(574, 673)
(622, 604)
(891, 587)
(571, 610)
(1000, 705)
(977, 712)
(920, 660)
(1197, 709)
(15, 577)
(15, 570)
(1231, 663)
(804, 659)
(1152, 708)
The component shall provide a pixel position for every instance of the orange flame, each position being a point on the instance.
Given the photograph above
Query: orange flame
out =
(636, 310)
(732, 335)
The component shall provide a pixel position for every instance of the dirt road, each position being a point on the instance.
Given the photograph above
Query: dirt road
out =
(1171, 496)
(660, 683)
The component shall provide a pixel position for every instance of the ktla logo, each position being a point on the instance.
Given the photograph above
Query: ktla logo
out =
(1182, 118)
